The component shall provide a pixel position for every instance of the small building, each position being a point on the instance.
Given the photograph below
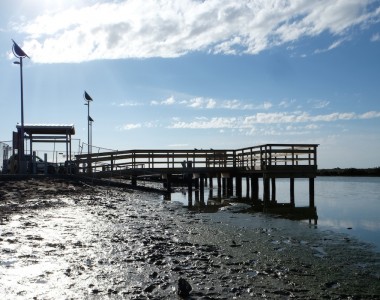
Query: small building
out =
(44, 133)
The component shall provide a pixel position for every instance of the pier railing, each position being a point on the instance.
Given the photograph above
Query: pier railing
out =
(257, 158)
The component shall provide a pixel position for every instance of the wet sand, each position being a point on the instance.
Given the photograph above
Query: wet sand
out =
(69, 240)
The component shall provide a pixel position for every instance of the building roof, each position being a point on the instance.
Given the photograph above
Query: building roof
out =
(31, 129)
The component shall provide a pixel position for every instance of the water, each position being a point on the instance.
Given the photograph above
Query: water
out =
(349, 205)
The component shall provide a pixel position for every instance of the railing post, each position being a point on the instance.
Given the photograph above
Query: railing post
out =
(293, 156)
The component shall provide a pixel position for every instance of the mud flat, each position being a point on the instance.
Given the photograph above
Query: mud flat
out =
(63, 240)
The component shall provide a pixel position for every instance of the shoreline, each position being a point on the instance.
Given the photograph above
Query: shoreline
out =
(99, 241)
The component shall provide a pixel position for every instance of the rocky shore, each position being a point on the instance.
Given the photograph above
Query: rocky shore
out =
(70, 240)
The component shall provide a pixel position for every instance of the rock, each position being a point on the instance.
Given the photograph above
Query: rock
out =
(184, 288)
(150, 288)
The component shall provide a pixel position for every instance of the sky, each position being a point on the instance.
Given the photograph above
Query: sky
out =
(221, 74)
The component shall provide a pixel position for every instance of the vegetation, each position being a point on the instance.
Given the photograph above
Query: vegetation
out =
(349, 172)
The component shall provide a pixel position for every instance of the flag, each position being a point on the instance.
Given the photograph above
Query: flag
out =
(87, 96)
(17, 51)
(90, 119)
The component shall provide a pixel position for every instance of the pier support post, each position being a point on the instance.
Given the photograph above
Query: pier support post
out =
(247, 187)
(311, 192)
(238, 186)
(273, 181)
(255, 189)
(196, 183)
(190, 191)
(219, 180)
(202, 182)
(292, 198)
(224, 186)
(230, 186)
(266, 195)
(134, 180)
(169, 183)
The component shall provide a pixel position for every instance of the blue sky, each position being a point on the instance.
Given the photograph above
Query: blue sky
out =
(199, 74)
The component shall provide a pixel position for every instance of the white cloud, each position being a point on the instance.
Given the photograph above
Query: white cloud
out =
(318, 104)
(207, 123)
(375, 37)
(128, 104)
(129, 127)
(287, 103)
(168, 101)
(197, 102)
(334, 45)
(171, 28)
(272, 118)
(370, 115)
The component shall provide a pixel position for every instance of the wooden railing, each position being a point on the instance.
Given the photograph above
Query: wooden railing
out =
(251, 158)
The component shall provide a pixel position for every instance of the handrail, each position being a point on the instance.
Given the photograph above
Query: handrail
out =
(256, 158)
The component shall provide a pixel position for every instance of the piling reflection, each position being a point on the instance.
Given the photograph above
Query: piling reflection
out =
(217, 200)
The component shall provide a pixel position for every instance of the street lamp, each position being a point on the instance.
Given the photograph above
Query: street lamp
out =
(88, 98)
(20, 54)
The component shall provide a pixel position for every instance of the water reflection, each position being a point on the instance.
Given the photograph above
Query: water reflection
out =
(348, 205)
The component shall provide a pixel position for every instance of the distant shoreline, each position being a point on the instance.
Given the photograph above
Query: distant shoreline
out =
(372, 172)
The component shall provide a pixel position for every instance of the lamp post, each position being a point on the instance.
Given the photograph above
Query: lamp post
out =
(20, 54)
(88, 98)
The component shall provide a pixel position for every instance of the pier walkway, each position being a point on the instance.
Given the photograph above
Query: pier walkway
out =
(269, 161)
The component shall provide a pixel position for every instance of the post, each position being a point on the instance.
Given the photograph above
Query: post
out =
(266, 196)
(224, 186)
(247, 188)
(202, 180)
(169, 183)
(88, 98)
(273, 180)
(34, 167)
(230, 186)
(311, 192)
(190, 191)
(20, 54)
(292, 202)
(211, 184)
(219, 183)
(238, 186)
(88, 127)
(255, 189)
(45, 161)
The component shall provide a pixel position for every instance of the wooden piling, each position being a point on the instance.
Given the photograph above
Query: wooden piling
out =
(273, 183)
(266, 189)
(292, 198)
(238, 185)
(255, 188)
(247, 187)
(311, 192)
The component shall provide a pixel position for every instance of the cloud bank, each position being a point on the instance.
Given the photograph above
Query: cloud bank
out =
(276, 123)
(171, 28)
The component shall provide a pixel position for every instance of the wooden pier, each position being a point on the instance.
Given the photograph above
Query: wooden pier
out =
(267, 162)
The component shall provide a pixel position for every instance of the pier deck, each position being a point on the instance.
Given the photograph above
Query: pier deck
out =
(269, 161)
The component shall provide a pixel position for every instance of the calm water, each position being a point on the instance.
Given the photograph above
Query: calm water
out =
(349, 205)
